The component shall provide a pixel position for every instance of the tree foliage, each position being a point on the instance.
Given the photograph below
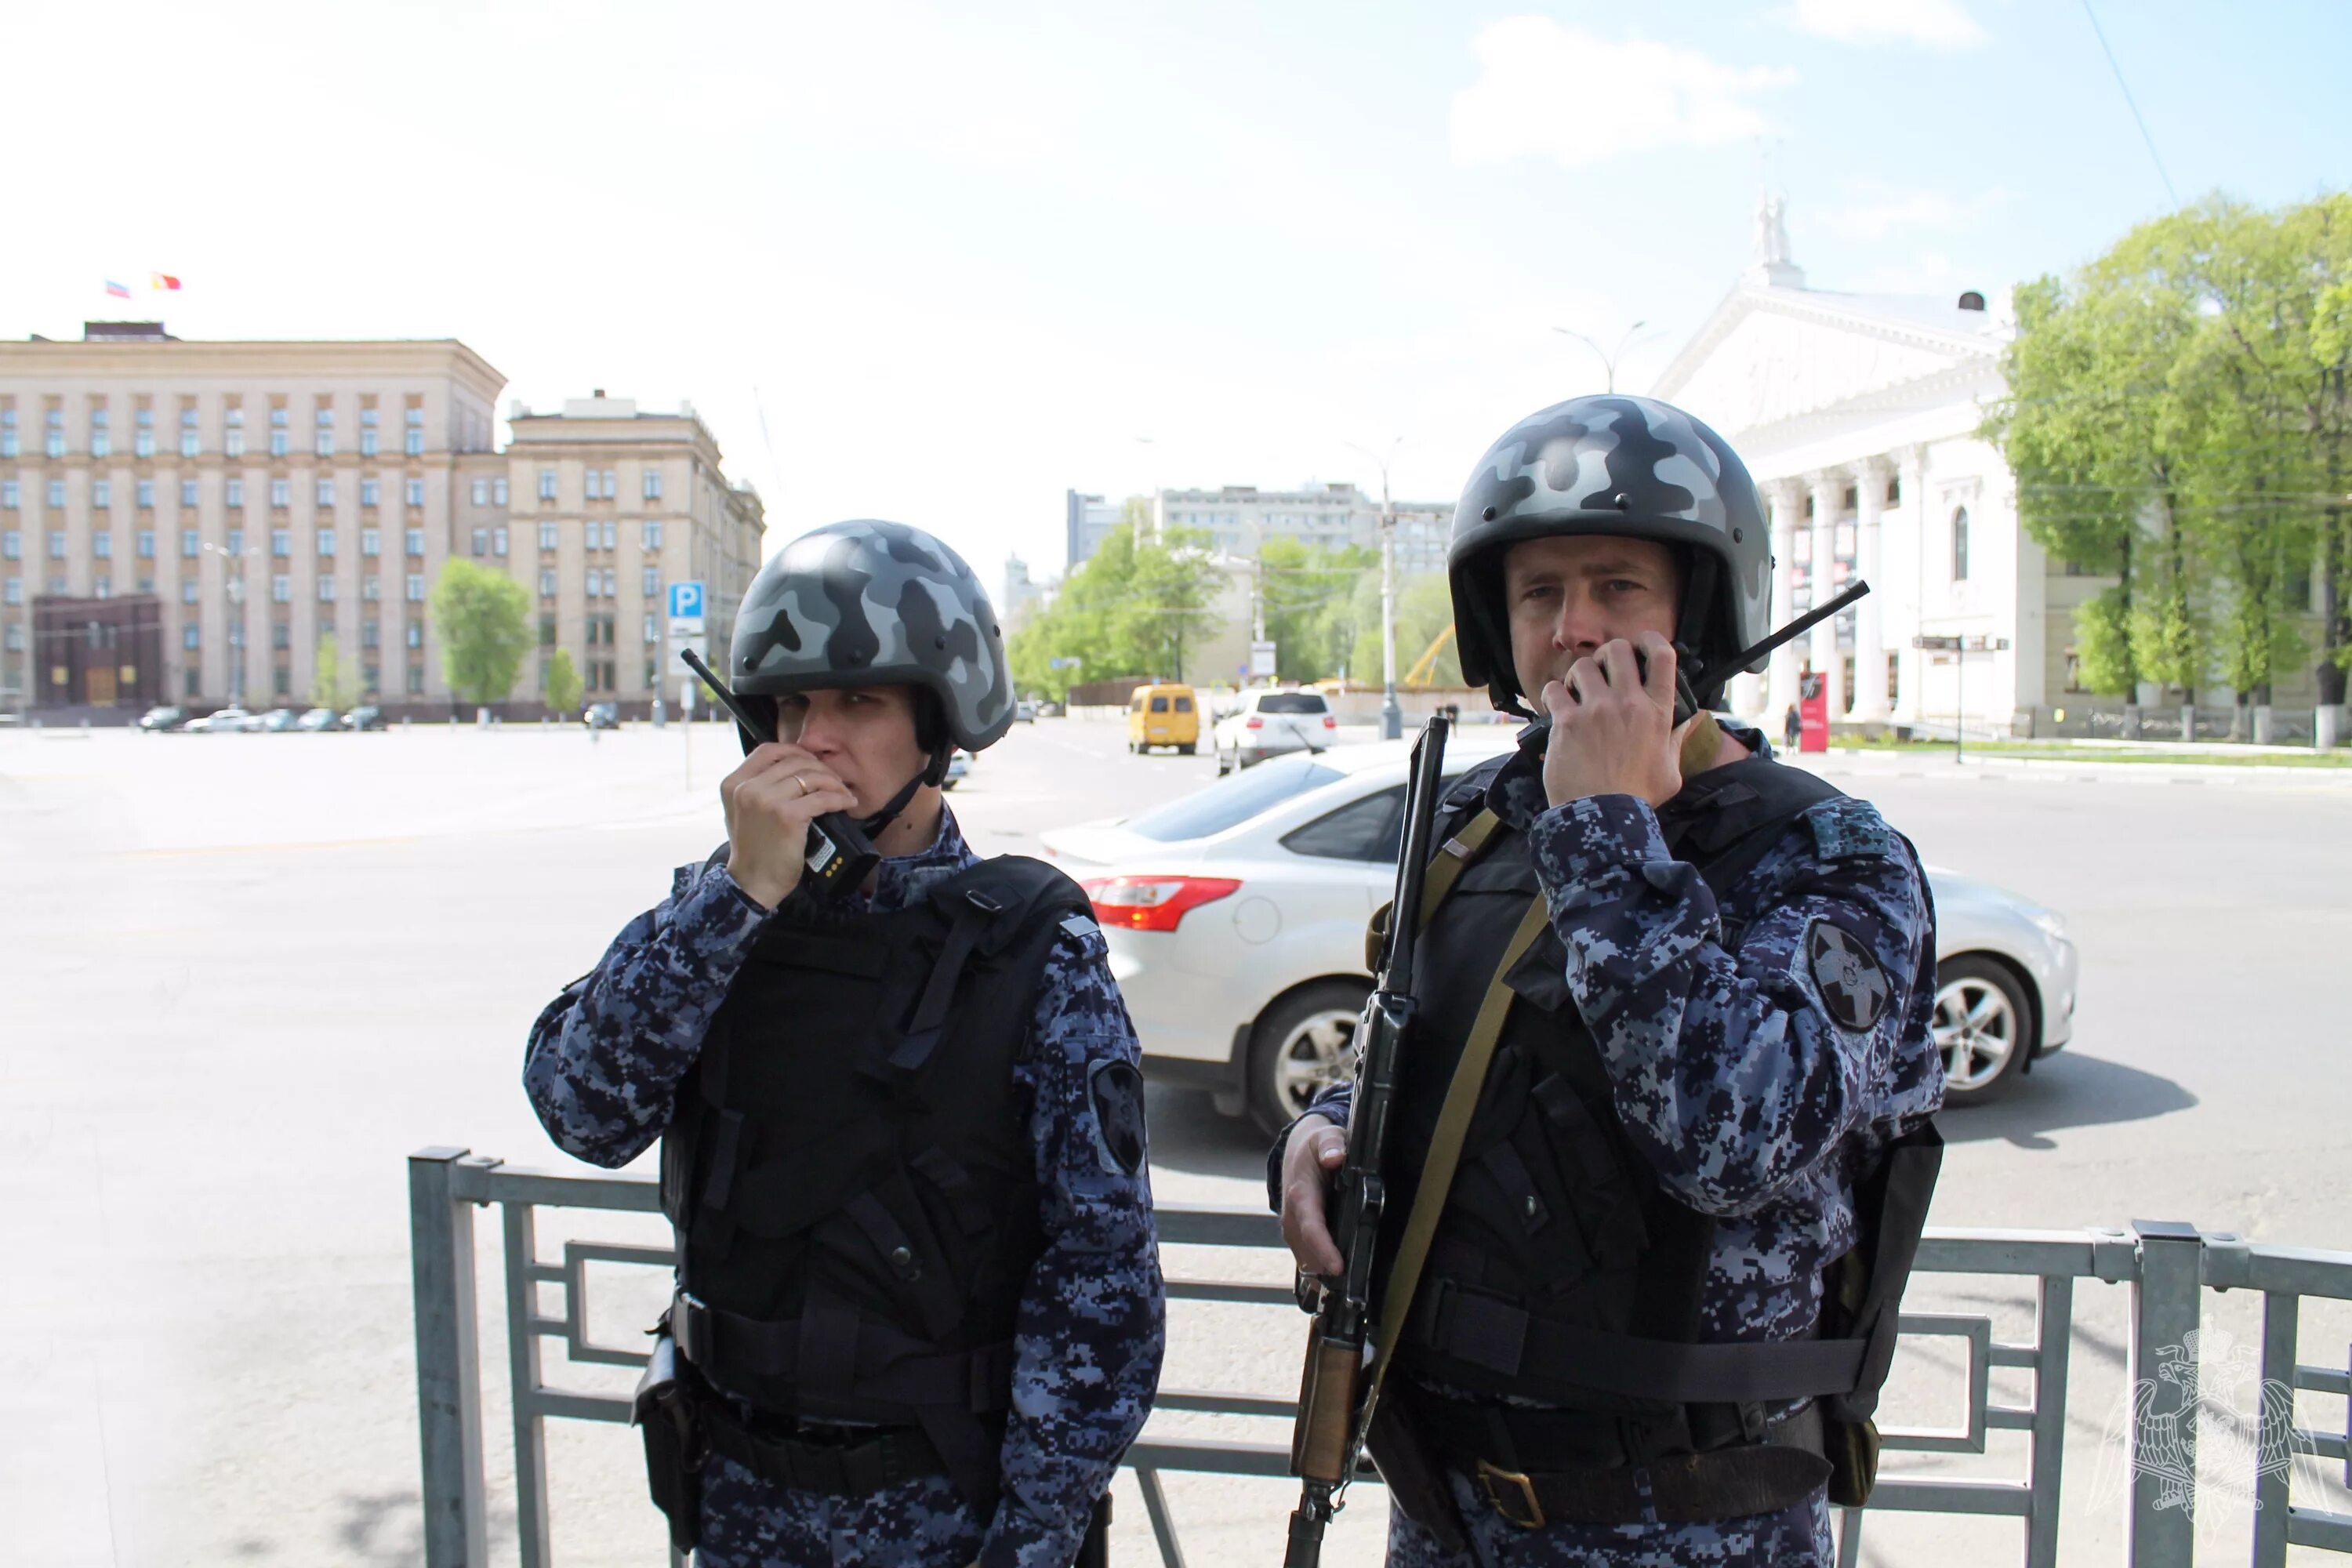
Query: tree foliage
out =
(483, 620)
(1424, 608)
(1137, 606)
(563, 682)
(2176, 419)
(1314, 605)
(331, 687)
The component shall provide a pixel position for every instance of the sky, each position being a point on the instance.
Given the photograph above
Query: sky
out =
(944, 264)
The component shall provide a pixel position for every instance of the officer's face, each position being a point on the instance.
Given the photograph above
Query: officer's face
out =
(866, 735)
(1568, 596)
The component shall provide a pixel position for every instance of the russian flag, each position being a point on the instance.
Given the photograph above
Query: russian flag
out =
(163, 280)
(117, 289)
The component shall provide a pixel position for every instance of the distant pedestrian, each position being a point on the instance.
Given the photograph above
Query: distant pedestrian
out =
(1792, 726)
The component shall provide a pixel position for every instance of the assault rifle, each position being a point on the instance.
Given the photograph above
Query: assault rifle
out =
(1333, 1401)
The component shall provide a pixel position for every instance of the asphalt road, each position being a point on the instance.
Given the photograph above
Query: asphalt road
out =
(245, 976)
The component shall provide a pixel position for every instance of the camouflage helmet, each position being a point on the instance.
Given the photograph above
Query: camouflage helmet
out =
(1633, 468)
(864, 603)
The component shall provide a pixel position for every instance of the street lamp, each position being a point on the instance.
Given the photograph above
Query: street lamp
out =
(1391, 715)
(1608, 361)
(233, 579)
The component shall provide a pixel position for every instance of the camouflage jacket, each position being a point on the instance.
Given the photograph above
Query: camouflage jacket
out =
(605, 1058)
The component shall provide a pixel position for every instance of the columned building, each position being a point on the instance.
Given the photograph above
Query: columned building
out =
(1858, 415)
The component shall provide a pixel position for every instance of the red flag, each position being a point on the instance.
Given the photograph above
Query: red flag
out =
(163, 280)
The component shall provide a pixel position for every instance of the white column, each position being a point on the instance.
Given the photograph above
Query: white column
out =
(1827, 487)
(1911, 682)
(1869, 641)
(1780, 679)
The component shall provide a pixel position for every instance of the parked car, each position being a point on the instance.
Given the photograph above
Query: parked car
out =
(228, 720)
(1162, 715)
(316, 719)
(276, 718)
(959, 764)
(602, 715)
(368, 717)
(1263, 724)
(1024, 711)
(1049, 710)
(157, 720)
(1235, 919)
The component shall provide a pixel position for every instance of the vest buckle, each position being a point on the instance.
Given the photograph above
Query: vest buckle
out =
(1521, 1491)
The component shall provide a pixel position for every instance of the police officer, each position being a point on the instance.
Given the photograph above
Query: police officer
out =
(1720, 1026)
(919, 1316)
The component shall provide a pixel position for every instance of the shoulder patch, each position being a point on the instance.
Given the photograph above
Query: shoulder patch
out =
(1853, 988)
(1079, 926)
(1846, 828)
(1114, 1095)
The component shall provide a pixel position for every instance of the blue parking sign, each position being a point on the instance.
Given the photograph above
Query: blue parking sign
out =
(685, 601)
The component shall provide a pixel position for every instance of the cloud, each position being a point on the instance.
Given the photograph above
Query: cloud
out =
(1936, 23)
(1887, 210)
(1549, 90)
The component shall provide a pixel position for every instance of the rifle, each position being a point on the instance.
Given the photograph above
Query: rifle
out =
(1335, 1400)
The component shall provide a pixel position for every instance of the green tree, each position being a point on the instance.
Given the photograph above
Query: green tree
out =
(1310, 594)
(1137, 606)
(1424, 608)
(563, 682)
(1167, 610)
(330, 686)
(483, 619)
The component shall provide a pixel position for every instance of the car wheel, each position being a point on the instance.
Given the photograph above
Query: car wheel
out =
(1188, 748)
(1302, 1045)
(1983, 1026)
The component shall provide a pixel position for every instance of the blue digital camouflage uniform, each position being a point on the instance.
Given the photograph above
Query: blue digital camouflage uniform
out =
(604, 1060)
(1733, 1078)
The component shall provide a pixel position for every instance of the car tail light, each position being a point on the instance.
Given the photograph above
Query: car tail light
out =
(1329, 722)
(1153, 903)
(1255, 723)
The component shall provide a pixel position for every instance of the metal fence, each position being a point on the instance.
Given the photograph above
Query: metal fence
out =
(2167, 1266)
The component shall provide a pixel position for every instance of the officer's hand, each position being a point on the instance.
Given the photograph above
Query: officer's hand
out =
(1316, 1146)
(1612, 725)
(771, 800)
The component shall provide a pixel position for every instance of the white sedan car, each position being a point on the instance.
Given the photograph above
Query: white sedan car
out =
(1236, 918)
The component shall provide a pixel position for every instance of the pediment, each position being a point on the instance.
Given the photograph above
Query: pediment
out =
(1764, 360)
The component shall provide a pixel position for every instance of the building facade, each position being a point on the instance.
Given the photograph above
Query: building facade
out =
(1089, 521)
(239, 503)
(1238, 517)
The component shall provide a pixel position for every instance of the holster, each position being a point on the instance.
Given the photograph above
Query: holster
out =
(667, 1410)
(1414, 1475)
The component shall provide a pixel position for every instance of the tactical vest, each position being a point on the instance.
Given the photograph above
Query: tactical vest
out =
(849, 1170)
(1562, 1273)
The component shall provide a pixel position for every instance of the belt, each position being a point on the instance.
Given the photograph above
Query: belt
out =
(834, 1354)
(1785, 1468)
(839, 1469)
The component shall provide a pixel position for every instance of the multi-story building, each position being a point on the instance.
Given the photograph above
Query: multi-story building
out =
(1238, 517)
(189, 521)
(597, 511)
(1090, 520)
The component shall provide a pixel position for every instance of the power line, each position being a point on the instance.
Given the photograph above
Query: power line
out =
(2154, 156)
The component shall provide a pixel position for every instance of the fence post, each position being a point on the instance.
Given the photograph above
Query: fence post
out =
(2167, 1298)
(448, 1382)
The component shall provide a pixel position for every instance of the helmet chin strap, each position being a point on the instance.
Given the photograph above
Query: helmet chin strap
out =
(933, 772)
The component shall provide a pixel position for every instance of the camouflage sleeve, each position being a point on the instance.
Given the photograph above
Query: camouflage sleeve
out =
(1091, 1328)
(606, 1055)
(1737, 1072)
(1334, 1103)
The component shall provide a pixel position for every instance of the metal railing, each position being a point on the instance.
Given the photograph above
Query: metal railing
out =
(2169, 1267)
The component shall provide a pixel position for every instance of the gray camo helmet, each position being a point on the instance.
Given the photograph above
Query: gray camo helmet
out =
(1633, 468)
(865, 602)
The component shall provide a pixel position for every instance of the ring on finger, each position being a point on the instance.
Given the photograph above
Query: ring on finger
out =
(803, 782)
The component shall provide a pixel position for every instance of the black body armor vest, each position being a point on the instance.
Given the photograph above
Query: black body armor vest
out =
(849, 1169)
(1556, 1228)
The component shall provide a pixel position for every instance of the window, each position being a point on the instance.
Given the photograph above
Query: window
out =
(370, 542)
(652, 484)
(412, 542)
(233, 438)
(498, 541)
(281, 590)
(7, 432)
(367, 432)
(415, 635)
(653, 631)
(370, 633)
(187, 492)
(281, 492)
(278, 432)
(1234, 800)
(281, 542)
(145, 490)
(593, 579)
(371, 492)
(1369, 829)
(143, 433)
(413, 439)
(325, 441)
(326, 540)
(189, 443)
(57, 495)
(101, 436)
(497, 492)
(547, 631)
(416, 492)
(546, 582)
(7, 495)
(481, 493)
(547, 484)
(374, 675)
(415, 587)
(612, 584)
(53, 432)
(650, 583)
(235, 490)
(236, 630)
(481, 543)
(11, 545)
(57, 546)
(1959, 544)
(101, 545)
(191, 544)
(146, 544)
(15, 595)
(326, 590)
(548, 536)
(612, 535)
(102, 589)
(651, 540)
(371, 588)
(188, 591)
(236, 542)
(102, 494)
(325, 495)
(415, 681)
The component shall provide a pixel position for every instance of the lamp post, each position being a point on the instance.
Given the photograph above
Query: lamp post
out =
(234, 562)
(1392, 714)
(1609, 360)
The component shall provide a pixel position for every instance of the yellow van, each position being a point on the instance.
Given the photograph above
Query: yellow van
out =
(1163, 716)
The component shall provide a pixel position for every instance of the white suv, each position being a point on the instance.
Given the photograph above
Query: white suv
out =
(1267, 724)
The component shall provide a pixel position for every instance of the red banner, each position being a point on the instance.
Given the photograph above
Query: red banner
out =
(1813, 713)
